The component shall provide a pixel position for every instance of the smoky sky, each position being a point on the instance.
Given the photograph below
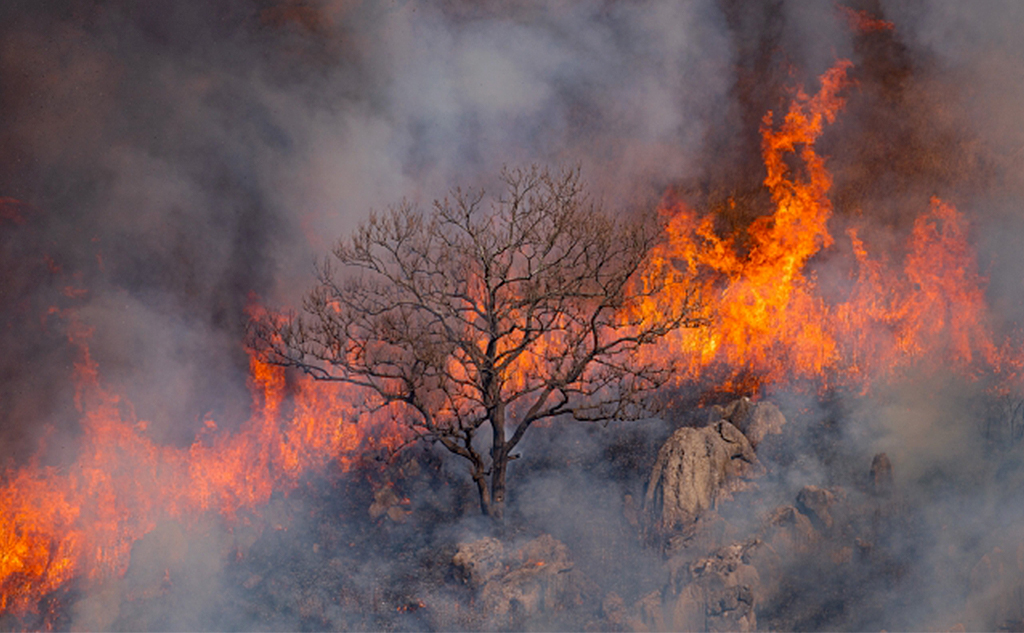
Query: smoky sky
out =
(179, 157)
(163, 162)
(173, 160)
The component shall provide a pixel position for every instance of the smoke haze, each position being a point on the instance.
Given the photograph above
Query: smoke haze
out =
(163, 163)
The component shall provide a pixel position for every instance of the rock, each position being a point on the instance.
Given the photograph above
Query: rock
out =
(539, 584)
(735, 410)
(784, 536)
(386, 502)
(697, 467)
(707, 533)
(694, 470)
(996, 584)
(864, 549)
(788, 530)
(630, 512)
(480, 561)
(881, 475)
(650, 613)
(816, 503)
(518, 583)
(754, 420)
(545, 550)
(722, 594)
(689, 611)
(613, 609)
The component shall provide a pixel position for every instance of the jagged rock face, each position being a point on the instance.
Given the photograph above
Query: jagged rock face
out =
(780, 574)
(517, 583)
(697, 467)
(730, 586)
(722, 594)
(694, 470)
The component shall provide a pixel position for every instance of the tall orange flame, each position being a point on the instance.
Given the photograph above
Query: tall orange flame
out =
(769, 319)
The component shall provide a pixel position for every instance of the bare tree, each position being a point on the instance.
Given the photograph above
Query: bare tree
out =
(490, 316)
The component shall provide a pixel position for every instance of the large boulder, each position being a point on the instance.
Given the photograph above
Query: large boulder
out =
(756, 420)
(785, 535)
(696, 468)
(787, 531)
(729, 585)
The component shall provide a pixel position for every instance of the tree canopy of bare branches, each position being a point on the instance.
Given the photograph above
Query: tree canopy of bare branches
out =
(489, 314)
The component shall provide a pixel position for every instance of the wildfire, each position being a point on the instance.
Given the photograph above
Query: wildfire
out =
(769, 320)
(81, 522)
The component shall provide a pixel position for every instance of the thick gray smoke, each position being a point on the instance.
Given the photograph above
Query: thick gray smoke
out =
(183, 156)
(163, 162)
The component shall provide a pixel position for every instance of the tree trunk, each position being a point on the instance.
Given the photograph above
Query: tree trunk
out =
(498, 469)
(499, 462)
(486, 507)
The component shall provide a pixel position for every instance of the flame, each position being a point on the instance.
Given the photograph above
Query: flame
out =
(80, 522)
(864, 22)
(769, 319)
(769, 324)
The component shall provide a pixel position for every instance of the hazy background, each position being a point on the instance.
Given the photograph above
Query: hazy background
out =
(161, 163)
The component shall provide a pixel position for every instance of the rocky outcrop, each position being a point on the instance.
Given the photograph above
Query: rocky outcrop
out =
(996, 584)
(718, 592)
(695, 469)
(513, 584)
(881, 482)
(722, 594)
(698, 467)
(788, 531)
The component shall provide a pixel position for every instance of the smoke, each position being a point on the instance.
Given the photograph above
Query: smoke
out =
(171, 160)
(184, 157)
(976, 47)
